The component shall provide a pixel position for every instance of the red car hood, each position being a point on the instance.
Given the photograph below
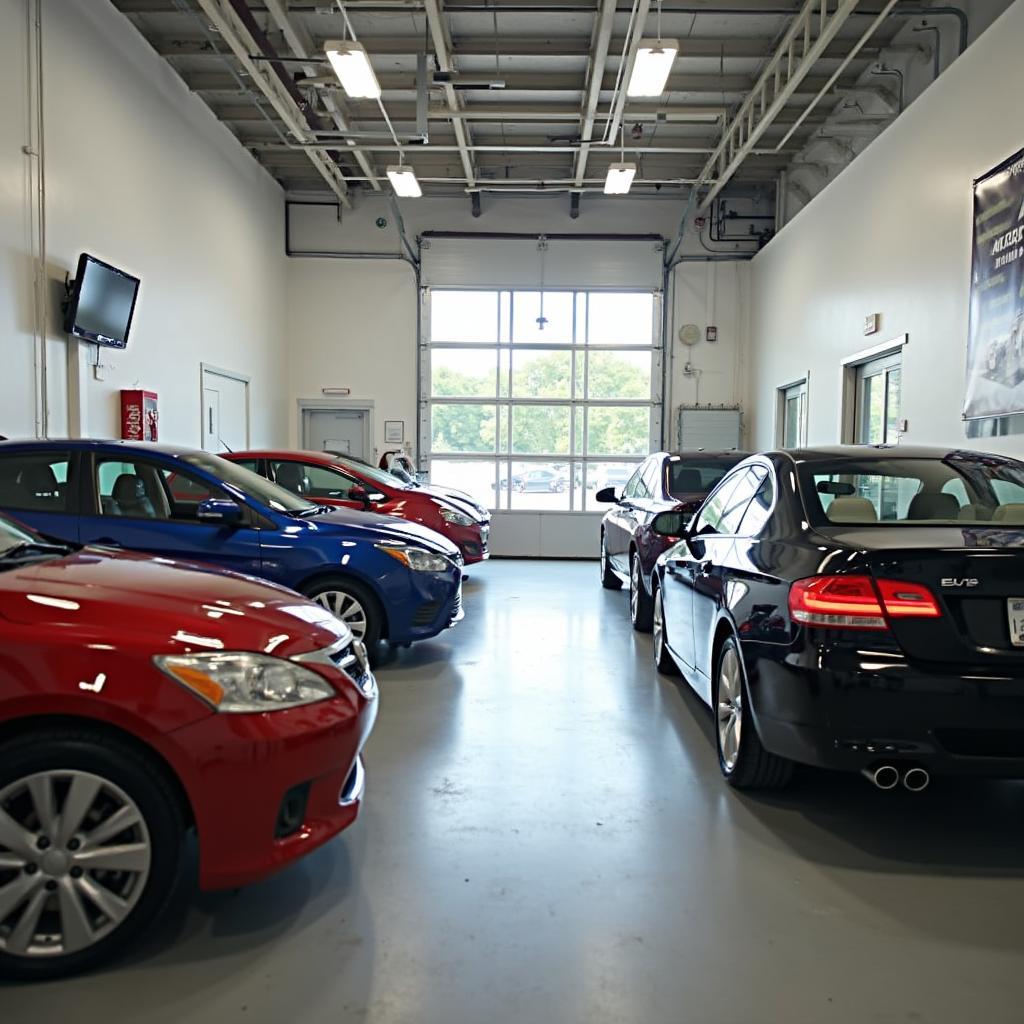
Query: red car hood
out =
(172, 606)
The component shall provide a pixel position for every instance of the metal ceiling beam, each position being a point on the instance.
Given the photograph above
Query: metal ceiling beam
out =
(595, 76)
(442, 49)
(802, 45)
(236, 34)
(519, 46)
(300, 42)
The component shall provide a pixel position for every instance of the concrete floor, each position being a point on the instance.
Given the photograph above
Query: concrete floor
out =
(546, 839)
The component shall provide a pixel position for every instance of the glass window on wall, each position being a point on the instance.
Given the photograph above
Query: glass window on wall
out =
(793, 407)
(536, 402)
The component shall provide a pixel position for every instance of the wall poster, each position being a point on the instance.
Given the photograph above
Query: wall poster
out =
(995, 344)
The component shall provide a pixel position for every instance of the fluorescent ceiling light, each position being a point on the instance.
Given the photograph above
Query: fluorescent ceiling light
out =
(353, 68)
(620, 177)
(404, 182)
(654, 59)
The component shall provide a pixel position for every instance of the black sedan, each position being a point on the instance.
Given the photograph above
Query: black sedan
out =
(854, 608)
(629, 547)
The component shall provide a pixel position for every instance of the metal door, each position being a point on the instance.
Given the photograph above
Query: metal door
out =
(335, 430)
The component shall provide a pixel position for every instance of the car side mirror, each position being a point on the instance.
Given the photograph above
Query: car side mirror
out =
(606, 495)
(219, 510)
(671, 525)
(359, 493)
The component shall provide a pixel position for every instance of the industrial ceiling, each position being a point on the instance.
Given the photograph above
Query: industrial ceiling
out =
(491, 95)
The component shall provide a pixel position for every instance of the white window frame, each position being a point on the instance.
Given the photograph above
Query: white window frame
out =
(851, 371)
(504, 460)
(801, 387)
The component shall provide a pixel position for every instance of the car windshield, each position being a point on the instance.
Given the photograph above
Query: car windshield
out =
(378, 476)
(962, 487)
(696, 475)
(13, 536)
(251, 484)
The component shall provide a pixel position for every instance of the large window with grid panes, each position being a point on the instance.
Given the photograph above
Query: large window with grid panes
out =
(535, 401)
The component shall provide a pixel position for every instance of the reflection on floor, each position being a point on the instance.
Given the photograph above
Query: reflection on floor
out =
(546, 839)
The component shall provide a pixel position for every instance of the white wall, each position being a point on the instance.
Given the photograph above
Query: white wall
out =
(139, 173)
(891, 235)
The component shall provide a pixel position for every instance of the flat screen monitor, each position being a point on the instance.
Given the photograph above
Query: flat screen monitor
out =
(101, 303)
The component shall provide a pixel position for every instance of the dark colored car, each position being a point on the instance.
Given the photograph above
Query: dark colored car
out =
(856, 608)
(388, 579)
(141, 698)
(629, 547)
(342, 482)
(540, 479)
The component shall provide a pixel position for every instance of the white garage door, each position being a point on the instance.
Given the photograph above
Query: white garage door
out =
(534, 399)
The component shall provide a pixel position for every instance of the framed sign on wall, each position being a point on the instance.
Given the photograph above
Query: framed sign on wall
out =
(995, 344)
(394, 431)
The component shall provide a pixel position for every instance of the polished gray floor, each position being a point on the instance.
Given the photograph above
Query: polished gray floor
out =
(546, 839)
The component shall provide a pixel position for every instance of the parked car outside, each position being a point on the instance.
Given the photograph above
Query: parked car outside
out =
(610, 476)
(541, 479)
(140, 698)
(388, 579)
(854, 608)
(629, 547)
(344, 483)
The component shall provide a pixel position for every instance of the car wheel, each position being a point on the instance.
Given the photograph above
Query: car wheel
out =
(663, 660)
(641, 607)
(608, 578)
(91, 836)
(353, 604)
(743, 759)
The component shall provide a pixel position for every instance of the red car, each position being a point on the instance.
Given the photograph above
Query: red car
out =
(140, 698)
(330, 479)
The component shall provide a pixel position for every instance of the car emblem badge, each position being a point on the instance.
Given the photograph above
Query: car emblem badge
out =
(956, 581)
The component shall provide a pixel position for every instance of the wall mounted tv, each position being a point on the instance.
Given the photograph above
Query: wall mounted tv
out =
(101, 302)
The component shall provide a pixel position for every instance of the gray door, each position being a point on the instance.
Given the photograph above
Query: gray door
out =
(336, 430)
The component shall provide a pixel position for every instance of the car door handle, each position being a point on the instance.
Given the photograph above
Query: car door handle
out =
(107, 542)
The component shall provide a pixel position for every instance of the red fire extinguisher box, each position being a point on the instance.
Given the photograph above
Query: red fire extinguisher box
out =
(138, 415)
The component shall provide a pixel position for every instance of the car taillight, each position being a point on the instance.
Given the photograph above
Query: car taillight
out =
(858, 602)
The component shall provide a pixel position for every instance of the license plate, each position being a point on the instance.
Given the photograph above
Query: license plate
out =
(1015, 613)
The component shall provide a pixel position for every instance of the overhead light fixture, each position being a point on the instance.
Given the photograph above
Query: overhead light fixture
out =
(620, 177)
(353, 68)
(404, 181)
(651, 67)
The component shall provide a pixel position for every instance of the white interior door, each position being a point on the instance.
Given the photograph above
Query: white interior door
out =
(335, 430)
(225, 412)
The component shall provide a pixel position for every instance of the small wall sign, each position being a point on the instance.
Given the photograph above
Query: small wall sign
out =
(871, 323)
(394, 431)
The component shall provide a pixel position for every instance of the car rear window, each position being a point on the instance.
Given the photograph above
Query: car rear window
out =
(696, 475)
(963, 487)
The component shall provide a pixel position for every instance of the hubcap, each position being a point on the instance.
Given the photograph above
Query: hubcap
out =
(345, 607)
(659, 625)
(634, 586)
(730, 709)
(75, 854)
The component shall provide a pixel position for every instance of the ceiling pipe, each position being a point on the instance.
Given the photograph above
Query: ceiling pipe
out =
(302, 45)
(598, 60)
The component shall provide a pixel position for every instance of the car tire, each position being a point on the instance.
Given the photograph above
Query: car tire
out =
(663, 660)
(608, 578)
(353, 603)
(101, 776)
(641, 605)
(742, 757)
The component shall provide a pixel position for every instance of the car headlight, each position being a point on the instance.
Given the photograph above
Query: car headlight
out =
(417, 559)
(242, 682)
(449, 515)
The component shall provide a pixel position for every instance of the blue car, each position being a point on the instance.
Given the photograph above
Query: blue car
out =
(388, 579)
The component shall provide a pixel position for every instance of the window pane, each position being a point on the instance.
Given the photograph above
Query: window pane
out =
(35, 482)
(476, 478)
(540, 429)
(463, 373)
(556, 328)
(540, 485)
(620, 318)
(618, 430)
(619, 375)
(462, 428)
(464, 316)
(540, 374)
(599, 475)
(892, 405)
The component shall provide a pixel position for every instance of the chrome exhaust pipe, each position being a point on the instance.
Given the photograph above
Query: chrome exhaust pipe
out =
(916, 779)
(885, 776)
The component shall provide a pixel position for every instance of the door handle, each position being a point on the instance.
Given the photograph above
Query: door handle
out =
(107, 542)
